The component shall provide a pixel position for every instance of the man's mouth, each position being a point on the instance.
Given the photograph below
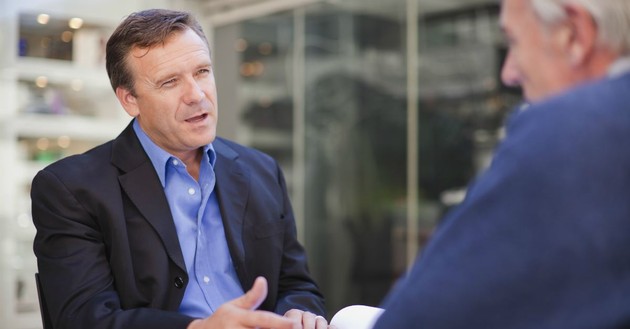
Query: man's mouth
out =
(198, 118)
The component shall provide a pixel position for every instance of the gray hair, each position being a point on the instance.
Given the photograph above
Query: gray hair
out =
(611, 16)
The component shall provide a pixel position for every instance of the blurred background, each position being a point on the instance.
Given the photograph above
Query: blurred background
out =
(379, 112)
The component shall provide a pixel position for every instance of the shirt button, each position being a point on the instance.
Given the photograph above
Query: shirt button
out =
(191, 191)
(175, 162)
(206, 279)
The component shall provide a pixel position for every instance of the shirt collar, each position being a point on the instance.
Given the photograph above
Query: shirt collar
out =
(159, 157)
(619, 67)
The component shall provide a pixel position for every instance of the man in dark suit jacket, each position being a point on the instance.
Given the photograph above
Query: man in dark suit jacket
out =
(118, 247)
(542, 239)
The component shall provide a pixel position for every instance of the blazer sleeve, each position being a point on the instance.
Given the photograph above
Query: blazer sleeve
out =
(254, 200)
(296, 288)
(73, 264)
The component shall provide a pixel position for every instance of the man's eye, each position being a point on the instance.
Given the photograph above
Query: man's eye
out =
(168, 83)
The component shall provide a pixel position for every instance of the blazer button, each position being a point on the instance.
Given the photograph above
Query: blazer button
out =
(179, 282)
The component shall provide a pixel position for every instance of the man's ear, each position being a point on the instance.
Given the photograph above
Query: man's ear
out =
(582, 34)
(128, 101)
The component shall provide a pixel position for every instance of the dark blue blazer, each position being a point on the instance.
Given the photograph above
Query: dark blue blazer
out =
(542, 239)
(108, 252)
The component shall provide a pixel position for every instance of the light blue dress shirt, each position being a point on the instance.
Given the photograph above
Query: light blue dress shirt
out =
(195, 209)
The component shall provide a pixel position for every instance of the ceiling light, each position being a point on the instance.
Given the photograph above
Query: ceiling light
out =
(66, 36)
(41, 81)
(43, 19)
(75, 23)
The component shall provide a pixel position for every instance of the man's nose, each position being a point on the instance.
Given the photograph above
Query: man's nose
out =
(193, 93)
(509, 73)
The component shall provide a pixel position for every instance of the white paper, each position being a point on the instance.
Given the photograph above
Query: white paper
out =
(356, 317)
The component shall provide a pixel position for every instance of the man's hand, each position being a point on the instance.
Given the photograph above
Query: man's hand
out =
(240, 313)
(308, 320)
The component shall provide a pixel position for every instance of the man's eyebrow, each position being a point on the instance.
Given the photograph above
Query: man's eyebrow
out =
(165, 77)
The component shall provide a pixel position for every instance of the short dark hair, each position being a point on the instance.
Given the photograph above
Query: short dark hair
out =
(143, 29)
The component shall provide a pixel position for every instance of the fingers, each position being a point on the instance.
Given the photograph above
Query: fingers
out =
(321, 323)
(229, 315)
(254, 297)
(307, 319)
(294, 314)
(264, 319)
(240, 313)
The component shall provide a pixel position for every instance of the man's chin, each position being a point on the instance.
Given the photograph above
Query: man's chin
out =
(532, 98)
(210, 138)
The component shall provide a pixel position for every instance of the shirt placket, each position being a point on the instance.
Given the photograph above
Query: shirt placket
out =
(202, 264)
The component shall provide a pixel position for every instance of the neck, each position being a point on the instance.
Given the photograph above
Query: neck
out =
(192, 159)
(601, 63)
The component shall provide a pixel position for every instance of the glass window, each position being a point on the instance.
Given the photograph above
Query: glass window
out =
(325, 89)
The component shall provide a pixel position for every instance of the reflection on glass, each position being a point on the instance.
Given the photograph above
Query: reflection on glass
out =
(355, 150)
(354, 84)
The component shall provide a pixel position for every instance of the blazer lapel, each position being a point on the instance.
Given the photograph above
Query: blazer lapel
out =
(141, 184)
(232, 192)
